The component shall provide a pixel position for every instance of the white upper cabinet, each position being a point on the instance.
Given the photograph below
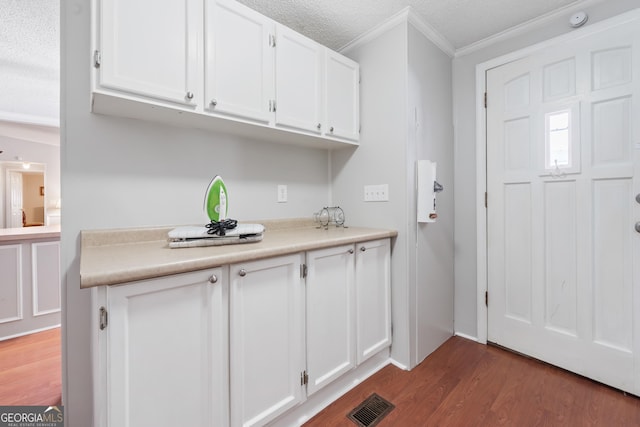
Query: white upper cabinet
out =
(239, 44)
(298, 81)
(227, 65)
(342, 96)
(150, 48)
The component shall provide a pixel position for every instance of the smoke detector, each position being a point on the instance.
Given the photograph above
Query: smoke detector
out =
(578, 19)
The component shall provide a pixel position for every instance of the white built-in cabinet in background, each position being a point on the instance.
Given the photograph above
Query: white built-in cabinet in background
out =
(235, 64)
(30, 293)
(242, 344)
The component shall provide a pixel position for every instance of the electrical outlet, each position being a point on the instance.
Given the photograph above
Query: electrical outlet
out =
(282, 193)
(376, 193)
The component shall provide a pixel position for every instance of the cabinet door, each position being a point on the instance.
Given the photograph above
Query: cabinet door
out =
(238, 61)
(150, 48)
(331, 335)
(267, 339)
(342, 97)
(298, 81)
(167, 357)
(373, 297)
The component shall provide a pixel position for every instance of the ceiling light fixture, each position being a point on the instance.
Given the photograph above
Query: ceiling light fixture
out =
(578, 19)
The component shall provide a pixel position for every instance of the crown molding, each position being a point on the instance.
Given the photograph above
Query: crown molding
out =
(532, 24)
(406, 15)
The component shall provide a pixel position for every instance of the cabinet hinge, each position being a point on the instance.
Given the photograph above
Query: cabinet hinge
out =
(304, 378)
(97, 58)
(485, 100)
(104, 318)
(486, 200)
(486, 298)
(303, 271)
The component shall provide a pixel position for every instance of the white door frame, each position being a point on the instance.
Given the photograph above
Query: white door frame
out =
(481, 148)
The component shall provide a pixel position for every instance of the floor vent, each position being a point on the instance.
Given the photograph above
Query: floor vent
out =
(371, 411)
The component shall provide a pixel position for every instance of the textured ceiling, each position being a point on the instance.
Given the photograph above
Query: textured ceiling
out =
(30, 60)
(335, 23)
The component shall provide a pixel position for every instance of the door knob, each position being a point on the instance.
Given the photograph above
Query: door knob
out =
(638, 226)
(242, 272)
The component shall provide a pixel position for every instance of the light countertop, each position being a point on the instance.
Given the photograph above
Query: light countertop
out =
(29, 233)
(110, 257)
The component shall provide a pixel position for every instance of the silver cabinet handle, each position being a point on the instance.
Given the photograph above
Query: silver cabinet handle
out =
(319, 126)
(189, 95)
(214, 102)
(331, 129)
(638, 197)
(213, 279)
(638, 226)
(242, 272)
(350, 251)
(362, 249)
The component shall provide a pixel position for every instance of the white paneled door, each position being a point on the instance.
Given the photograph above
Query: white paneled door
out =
(563, 172)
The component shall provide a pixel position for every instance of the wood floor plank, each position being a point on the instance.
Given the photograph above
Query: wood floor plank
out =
(464, 383)
(30, 369)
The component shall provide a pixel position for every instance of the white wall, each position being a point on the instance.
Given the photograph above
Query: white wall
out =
(125, 173)
(464, 99)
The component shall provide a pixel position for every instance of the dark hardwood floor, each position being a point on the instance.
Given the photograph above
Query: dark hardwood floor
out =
(468, 384)
(30, 369)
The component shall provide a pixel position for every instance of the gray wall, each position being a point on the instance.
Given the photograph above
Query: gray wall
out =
(405, 78)
(464, 101)
(381, 159)
(124, 173)
(432, 139)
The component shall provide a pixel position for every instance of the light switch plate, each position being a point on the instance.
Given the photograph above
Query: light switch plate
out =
(282, 194)
(376, 193)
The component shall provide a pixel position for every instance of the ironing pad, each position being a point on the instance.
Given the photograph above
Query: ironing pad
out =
(197, 236)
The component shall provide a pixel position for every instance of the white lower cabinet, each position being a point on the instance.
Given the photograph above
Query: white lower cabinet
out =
(373, 297)
(331, 325)
(267, 338)
(240, 345)
(165, 351)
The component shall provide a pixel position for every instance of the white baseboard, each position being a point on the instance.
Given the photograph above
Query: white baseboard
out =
(469, 337)
(35, 331)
